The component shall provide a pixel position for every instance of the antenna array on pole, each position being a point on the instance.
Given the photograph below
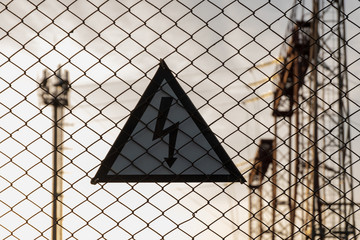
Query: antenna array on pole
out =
(55, 89)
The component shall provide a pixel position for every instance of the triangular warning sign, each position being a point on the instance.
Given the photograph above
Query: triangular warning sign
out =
(165, 139)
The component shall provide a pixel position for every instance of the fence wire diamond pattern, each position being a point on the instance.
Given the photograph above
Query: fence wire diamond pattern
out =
(276, 81)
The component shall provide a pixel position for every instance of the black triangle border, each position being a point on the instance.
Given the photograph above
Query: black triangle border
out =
(162, 73)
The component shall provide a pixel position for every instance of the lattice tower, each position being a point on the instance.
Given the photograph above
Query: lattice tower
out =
(305, 191)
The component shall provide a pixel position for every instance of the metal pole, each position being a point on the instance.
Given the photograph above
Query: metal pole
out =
(54, 93)
(55, 173)
(317, 204)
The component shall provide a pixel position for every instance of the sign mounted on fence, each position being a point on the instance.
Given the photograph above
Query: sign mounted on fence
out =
(166, 139)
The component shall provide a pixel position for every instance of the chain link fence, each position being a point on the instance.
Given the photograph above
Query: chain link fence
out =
(276, 81)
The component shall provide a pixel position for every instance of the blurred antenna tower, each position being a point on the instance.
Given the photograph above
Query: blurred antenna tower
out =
(55, 89)
(302, 179)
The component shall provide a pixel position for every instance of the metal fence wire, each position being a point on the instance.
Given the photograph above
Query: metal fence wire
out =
(277, 82)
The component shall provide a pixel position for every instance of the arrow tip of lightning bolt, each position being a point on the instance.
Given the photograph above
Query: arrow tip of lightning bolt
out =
(170, 161)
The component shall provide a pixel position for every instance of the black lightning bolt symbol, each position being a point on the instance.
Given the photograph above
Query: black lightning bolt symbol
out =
(172, 130)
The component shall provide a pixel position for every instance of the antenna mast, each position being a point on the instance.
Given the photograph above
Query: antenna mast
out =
(305, 191)
(55, 93)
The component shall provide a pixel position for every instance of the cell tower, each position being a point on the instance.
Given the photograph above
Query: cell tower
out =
(54, 92)
(302, 179)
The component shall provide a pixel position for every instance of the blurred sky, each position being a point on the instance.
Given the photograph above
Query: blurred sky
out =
(112, 53)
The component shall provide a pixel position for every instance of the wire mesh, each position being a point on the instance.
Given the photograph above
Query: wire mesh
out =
(235, 61)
